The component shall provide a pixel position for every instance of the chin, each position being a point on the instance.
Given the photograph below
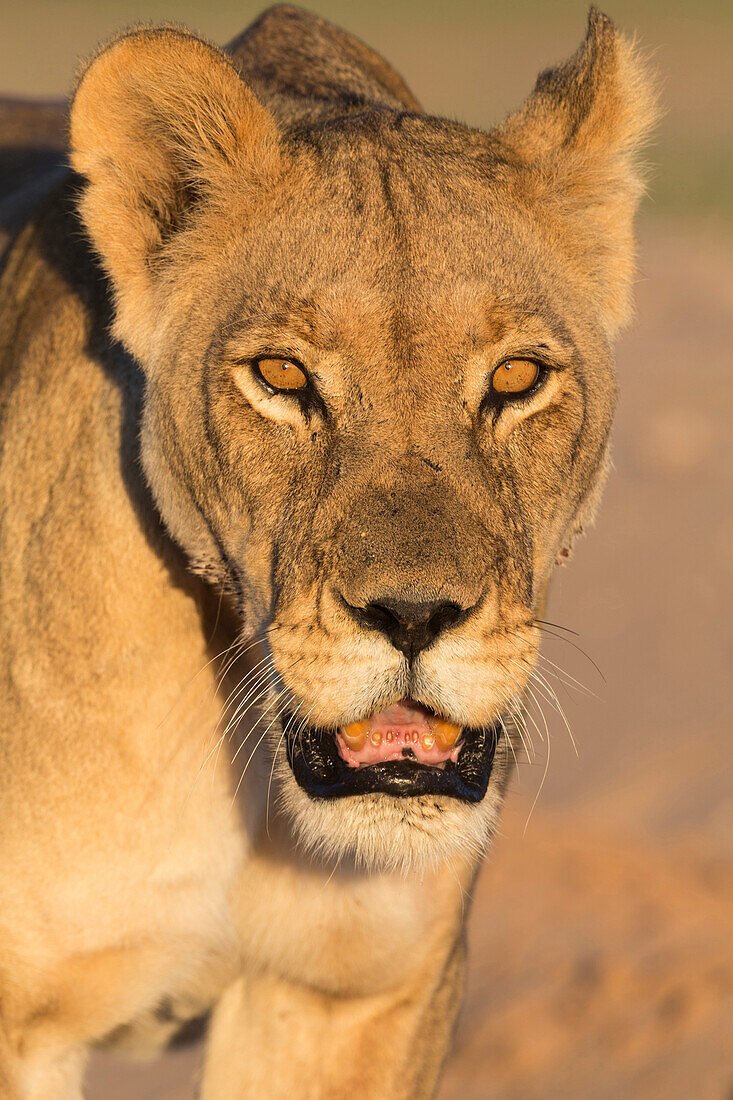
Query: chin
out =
(402, 790)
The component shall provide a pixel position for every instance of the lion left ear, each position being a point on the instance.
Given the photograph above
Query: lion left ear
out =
(580, 132)
(162, 125)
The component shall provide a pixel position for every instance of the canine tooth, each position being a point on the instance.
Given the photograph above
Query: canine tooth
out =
(355, 734)
(446, 733)
(428, 740)
(376, 737)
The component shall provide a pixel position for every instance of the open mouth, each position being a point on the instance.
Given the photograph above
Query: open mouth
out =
(404, 750)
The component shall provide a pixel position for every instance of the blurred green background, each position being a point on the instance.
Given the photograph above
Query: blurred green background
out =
(466, 59)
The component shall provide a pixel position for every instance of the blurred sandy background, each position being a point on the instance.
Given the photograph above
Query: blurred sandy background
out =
(602, 928)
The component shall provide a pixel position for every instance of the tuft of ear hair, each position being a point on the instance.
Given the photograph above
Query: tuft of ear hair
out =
(581, 131)
(161, 122)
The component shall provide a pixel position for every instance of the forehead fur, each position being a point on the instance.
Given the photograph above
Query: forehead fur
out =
(373, 223)
(446, 204)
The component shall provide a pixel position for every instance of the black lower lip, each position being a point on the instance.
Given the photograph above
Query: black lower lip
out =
(322, 773)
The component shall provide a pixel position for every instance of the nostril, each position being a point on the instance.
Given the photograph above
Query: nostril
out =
(380, 616)
(410, 625)
(444, 616)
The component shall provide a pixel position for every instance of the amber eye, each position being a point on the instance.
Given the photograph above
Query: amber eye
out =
(515, 376)
(282, 374)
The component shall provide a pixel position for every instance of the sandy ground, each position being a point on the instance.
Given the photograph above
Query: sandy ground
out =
(602, 927)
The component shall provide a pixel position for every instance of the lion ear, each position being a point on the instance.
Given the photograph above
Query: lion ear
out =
(161, 123)
(581, 131)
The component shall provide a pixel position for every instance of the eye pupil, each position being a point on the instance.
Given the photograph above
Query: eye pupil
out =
(282, 374)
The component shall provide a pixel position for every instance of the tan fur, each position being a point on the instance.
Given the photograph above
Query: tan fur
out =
(159, 507)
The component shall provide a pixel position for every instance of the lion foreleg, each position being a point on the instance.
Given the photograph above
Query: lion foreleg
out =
(286, 1042)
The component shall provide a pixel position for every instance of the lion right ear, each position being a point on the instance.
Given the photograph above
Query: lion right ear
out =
(161, 123)
(579, 135)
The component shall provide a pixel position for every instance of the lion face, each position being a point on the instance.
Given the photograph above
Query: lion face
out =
(379, 395)
(391, 522)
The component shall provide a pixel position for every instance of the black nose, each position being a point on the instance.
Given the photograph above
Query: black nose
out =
(410, 626)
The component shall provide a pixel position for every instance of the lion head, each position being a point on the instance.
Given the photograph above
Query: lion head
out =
(379, 392)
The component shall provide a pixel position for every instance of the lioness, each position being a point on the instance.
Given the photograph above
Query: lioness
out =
(303, 394)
